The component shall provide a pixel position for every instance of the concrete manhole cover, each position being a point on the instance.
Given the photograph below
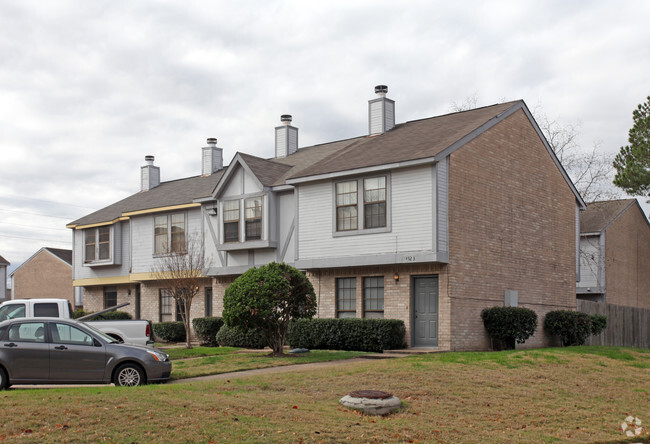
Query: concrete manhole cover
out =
(372, 402)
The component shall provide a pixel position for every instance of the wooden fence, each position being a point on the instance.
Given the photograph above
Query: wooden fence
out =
(626, 326)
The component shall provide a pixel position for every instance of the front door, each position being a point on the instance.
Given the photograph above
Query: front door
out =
(425, 316)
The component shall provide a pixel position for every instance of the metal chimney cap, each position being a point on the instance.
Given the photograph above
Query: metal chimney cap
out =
(381, 89)
(286, 118)
(212, 141)
(149, 158)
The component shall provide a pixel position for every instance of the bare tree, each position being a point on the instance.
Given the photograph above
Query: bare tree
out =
(590, 170)
(182, 273)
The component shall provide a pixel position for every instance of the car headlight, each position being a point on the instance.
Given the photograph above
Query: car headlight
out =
(162, 357)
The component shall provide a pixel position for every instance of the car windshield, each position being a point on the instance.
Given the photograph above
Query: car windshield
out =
(12, 311)
(100, 333)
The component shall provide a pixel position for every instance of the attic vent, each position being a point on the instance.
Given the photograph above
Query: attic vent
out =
(286, 137)
(381, 112)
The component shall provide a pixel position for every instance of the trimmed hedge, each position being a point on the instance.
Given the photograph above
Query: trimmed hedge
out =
(373, 335)
(507, 325)
(108, 316)
(240, 337)
(169, 331)
(573, 327)
(206, 329)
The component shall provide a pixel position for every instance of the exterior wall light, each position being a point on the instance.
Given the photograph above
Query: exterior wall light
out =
(396, 277)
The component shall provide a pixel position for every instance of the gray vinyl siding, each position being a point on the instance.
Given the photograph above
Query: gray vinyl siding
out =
(411, 219)
(120, 249)
(143, 237)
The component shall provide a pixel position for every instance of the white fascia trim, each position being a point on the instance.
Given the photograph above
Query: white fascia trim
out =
(360, 171)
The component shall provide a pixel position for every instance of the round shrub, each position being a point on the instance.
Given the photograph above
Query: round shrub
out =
(572, 327)
(598, 324)
(266, 299)
(169, 331)
(507, 325)
(206, 329)
(240, 337)
(108, 316)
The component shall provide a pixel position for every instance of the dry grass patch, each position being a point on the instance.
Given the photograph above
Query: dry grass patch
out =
(554, 395)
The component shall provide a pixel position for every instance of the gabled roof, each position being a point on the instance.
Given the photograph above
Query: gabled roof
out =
(60, 254)
(417, 139)
(599, 215)
(64, 255)
(4, 261)
(167, 194)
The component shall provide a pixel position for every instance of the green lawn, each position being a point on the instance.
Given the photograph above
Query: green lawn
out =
(201, 361)
(578, 394)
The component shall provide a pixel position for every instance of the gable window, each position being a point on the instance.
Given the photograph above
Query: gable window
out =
(346, 297)
(253, 218)
(373, 297)
(169, 233)
(374, 202)
(346, 206)
(97, 244)
(231, 221)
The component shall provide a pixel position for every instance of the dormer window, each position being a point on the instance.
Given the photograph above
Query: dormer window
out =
(97, 244)
(253, 218)
(231, 221)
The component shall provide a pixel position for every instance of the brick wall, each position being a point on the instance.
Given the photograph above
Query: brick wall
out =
(397, 295)
(627, 260)
(512, 226)
(44, 276)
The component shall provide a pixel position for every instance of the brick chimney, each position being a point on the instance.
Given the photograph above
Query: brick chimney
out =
(149, 175)
(381, 112)
(212, 157)
(286, 137)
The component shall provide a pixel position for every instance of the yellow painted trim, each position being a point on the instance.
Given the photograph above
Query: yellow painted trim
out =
(101, 281)
(98, 224)
(143, 277)
(161, 209)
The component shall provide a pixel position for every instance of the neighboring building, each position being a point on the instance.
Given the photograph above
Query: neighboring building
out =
(46, 274)
(4, 263)
(428, 221)
(615, 254)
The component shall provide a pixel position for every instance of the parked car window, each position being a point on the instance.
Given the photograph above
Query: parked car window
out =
(46, 310)
(3, 330)
(27, 332)
(67, 334)
(12, 311)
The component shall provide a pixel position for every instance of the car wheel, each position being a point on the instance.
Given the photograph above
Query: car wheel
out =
(4, 382)
(129, 375)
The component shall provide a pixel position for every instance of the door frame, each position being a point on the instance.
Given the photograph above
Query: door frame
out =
(412, 303)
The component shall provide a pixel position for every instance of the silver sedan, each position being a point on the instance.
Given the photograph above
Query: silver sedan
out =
(63, 351)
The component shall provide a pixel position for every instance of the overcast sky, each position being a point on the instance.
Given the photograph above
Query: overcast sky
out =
(88, 88)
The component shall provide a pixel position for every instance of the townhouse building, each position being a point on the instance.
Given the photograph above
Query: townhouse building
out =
(615, 254)
(428, 221)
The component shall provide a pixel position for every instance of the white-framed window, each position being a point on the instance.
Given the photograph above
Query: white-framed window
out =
(253, 218)
(97, 244)
(373, 297)
(169, 233)
(362, 205)
(231, 217)
(166, 299)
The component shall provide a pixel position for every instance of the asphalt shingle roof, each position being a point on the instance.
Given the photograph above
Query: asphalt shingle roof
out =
(175, 192)
(64, 255)
(412, 140)
(599, 215)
